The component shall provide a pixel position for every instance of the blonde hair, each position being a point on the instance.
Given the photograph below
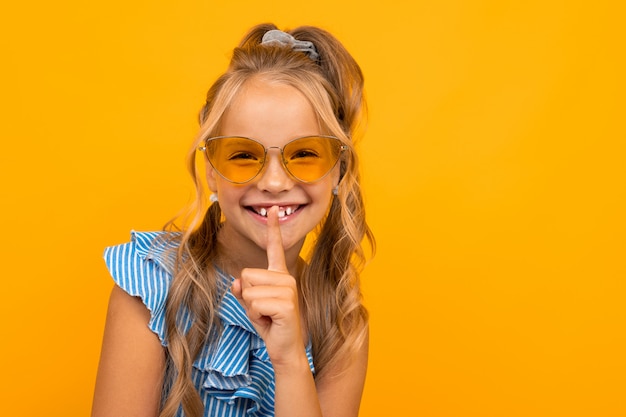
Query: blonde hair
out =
(329, 284)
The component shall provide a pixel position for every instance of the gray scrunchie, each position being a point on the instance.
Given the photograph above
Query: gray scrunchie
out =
(278, 37)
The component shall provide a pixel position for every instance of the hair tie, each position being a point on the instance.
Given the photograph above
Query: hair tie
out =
(278, 37)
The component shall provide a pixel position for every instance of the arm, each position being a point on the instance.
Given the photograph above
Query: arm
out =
(270, 298)
(132, 362)
(341, 395)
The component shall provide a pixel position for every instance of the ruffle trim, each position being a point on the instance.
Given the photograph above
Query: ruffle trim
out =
(143, 268)
(239, 367)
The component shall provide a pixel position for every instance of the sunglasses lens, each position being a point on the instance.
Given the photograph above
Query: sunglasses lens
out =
(236, 159)
(311, 158)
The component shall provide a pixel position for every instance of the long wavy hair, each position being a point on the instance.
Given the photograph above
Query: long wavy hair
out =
(329, 284)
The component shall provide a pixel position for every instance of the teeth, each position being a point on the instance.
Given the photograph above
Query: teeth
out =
(281, 213)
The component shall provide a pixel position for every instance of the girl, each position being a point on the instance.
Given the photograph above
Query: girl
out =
(225, 318)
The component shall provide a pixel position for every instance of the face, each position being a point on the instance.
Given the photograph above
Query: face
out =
(273, 114)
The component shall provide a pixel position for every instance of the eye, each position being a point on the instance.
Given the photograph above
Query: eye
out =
(243, 155)
(304, 153)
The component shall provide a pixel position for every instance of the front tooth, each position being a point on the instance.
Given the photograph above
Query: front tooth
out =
(263, 212)
(281, 213)
(288, 211)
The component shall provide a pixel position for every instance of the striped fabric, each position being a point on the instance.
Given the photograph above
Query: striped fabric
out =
(237, 378)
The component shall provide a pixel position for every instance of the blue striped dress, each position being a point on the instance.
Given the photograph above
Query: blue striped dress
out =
(236, 378)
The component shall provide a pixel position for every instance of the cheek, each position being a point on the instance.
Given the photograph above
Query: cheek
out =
(229, 195)
(323, 193)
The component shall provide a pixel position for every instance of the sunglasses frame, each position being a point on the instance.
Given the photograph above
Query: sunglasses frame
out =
(342, 147)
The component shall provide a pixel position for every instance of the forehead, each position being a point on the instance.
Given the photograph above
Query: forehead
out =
(270, 112)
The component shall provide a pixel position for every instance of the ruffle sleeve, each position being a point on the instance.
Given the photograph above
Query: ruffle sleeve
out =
(143, 268)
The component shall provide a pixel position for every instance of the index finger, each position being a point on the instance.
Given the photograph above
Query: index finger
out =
(275, 250)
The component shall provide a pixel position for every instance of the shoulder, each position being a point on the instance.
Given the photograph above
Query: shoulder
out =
(143, 268)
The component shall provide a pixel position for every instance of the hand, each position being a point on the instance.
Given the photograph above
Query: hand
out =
(270, 298)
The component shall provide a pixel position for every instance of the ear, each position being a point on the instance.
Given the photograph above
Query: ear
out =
(336, 174)
(211, 178)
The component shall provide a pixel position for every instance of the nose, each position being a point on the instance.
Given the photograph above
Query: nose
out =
(274, 178)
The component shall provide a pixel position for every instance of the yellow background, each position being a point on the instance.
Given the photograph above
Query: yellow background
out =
(494, 173)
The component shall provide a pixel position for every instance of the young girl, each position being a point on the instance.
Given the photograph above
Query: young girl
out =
(225, 318)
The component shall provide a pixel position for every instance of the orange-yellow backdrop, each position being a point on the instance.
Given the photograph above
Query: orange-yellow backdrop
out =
(494, 172)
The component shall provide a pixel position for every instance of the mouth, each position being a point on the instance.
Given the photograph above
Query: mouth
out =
(283, 211)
